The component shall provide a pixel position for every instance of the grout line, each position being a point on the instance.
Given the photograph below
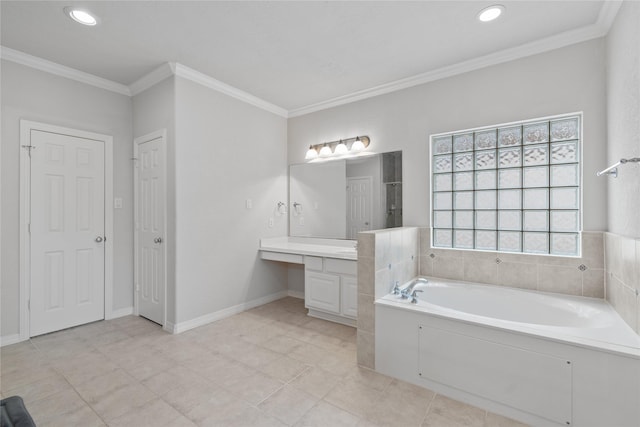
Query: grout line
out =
(428, 408)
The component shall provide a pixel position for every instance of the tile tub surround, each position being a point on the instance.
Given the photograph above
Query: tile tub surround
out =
(583, 276)
(269, 366)
(622, 277)
(384, 257)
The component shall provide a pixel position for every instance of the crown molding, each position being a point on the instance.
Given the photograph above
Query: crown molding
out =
(207, 81)
(61, 70)
(608, 14)
(156, 76)
(600, 28)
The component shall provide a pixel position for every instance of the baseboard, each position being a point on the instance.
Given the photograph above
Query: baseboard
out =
(295, 294)
(121, 312)
(221, 314)
(11, 339)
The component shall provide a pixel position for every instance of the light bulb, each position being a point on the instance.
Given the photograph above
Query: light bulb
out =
(325, 151)
(357, 146)
(490, 13)
(311, 153)
(81, 16)
(341, 148)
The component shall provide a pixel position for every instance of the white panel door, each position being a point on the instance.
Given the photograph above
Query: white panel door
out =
(358, 206)
(150, 232)
(67, 231)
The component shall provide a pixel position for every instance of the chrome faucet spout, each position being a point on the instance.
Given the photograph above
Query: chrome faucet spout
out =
(406, 293)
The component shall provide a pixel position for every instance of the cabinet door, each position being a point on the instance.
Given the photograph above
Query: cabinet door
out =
(350, 296)
(322, 291)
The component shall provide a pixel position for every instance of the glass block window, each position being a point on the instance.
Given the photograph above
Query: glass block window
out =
(512, 188)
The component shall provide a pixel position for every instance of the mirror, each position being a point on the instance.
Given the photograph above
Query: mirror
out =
(337, 199)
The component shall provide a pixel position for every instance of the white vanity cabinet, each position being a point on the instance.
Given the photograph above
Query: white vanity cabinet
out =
(331, 289)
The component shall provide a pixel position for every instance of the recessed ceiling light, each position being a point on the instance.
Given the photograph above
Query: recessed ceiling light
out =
(490, 13)
(81, 16)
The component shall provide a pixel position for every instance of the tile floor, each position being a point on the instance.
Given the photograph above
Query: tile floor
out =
(269, 366)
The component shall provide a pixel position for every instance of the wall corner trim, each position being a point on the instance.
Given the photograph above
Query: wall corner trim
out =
(607, 15)
(62, 70)
(151, 79)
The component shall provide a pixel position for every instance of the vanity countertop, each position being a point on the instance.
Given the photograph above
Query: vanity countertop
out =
(328, 248)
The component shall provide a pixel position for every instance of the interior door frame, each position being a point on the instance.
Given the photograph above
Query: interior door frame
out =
(26, 126)
(162, 134)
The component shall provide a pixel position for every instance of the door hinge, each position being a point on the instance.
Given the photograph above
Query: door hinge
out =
(29, 228)
(29, 304)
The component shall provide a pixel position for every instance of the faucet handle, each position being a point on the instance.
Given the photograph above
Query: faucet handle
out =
(414, 296)
(396, 288)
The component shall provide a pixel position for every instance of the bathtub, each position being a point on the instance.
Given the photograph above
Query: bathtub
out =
(545, 359)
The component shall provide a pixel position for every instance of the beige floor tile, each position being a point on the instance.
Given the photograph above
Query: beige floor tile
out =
(284, 369)
(444, 410)
(184, 399)
(25, 376)
(149, 366)
(84, 367)
(283, 344)
(316, 382)
(257, 356)
(288, 404)
(121, 401)
(83, 416)
(354, 397)
(370, 378)
(53, 406)
(309, 353)
(103, 385)
(495, 420)
(227, 373)
(255, 388)
(175, 377)
(155, 413)
(41, 389)
(261, 335)
(324, 414)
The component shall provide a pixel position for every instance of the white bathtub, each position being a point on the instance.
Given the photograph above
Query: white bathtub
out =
(546, 359)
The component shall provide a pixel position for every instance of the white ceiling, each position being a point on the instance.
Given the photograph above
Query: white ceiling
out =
(293, 54)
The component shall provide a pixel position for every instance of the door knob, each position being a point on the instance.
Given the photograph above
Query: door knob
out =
(157, 240)
(99, 239)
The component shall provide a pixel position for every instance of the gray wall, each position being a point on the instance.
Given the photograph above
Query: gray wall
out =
(35, 95)
(622, 243)
(623, 115)
(226, 151)
(561, 81)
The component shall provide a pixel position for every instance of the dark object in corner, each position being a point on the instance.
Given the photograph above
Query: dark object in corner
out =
(14, 413)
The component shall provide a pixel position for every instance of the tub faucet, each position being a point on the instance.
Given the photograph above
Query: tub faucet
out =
(406, 293)
(396, 289)
(414, 296)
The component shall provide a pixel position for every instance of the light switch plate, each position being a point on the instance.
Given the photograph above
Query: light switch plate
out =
(117, 203)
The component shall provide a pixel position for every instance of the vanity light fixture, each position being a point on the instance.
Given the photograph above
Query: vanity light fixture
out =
(490, 13)
(81, 16)
(339, 148)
